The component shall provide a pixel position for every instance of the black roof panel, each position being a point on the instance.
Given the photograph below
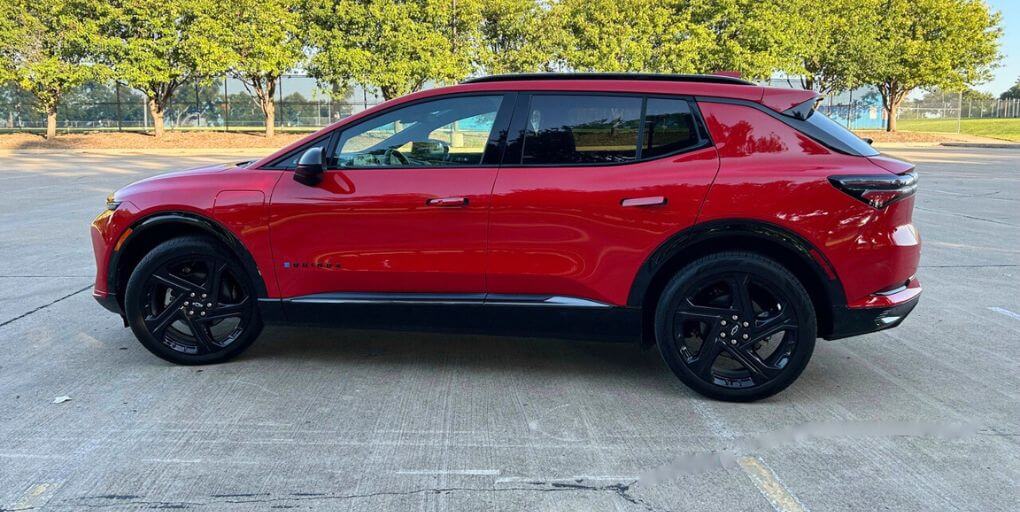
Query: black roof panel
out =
(712, 79)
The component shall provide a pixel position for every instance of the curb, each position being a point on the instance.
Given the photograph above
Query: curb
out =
(987, 145)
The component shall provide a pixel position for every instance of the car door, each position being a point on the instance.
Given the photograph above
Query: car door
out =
(579, 205)
(402, 207)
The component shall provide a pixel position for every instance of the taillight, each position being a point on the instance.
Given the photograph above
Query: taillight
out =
(877, 190)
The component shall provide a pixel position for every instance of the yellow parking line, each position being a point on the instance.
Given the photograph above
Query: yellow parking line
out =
(770, 486)
(35, 497)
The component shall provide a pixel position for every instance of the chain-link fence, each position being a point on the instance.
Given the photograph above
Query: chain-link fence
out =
(223, 104)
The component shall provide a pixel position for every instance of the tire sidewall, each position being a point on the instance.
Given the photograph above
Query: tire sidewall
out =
(761, 269)
(163, 254)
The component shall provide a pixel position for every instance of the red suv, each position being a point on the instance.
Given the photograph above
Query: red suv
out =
(728, 224)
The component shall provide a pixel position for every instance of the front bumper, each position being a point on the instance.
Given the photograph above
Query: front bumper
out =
(883, 312)
(108, 301)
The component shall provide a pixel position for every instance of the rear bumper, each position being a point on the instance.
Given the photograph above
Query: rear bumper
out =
(883, 312)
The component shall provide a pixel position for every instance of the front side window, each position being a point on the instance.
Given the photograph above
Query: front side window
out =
(581, 129)
(444, 132)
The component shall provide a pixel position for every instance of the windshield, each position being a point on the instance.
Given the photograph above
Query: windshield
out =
(834, 129)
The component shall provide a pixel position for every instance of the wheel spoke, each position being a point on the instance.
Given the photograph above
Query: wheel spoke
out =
(740, 287)
(772, 329)
(760, 372)
(202, 335)
(157, 324)
(690, 311)
(707, 355)
(175, 282)
(225, 311)
(216, 270)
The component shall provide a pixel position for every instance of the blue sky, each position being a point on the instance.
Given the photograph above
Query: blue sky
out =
(1007, 74)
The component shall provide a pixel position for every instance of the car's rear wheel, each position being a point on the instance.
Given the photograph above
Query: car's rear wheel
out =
(190, 302)
(735, 326)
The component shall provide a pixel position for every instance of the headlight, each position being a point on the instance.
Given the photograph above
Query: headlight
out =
(111, 202)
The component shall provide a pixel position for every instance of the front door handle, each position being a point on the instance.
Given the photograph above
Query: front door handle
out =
(643, 201)
(447, 201)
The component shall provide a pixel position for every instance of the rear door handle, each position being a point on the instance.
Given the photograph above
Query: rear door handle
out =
(643, 201)
(447, 201)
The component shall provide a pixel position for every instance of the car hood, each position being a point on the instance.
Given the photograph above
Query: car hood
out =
(205, 169)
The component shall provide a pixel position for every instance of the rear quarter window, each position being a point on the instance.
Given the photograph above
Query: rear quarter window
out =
(833, 129)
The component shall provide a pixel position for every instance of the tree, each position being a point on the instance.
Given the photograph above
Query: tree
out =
(831, 51)
(949, 44)
(166, 43)
(674, 36)
(47, 47)
(1013, 93)
(395, 45)
(264, 46)
(513, 37)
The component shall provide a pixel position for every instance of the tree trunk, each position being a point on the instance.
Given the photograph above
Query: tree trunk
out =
(891, 119)
(157, 117)
(269, 109)
(51, 122)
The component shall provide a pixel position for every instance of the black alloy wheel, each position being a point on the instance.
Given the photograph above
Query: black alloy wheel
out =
(190, 302)
(736, 326)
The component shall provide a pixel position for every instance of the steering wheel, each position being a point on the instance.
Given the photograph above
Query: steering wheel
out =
(392, 154)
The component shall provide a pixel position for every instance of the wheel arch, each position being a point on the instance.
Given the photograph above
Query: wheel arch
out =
(157, 228)
(787, 248)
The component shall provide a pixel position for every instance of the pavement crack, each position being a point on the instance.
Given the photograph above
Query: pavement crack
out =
(44, 306)
(619, 489)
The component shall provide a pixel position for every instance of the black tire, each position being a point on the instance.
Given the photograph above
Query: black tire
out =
(161, 307)
(755, 343)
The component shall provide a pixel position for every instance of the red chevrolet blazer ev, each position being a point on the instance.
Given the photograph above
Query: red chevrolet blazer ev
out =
(727, 223)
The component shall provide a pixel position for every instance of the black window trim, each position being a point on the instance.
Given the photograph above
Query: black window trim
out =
(492, 155)
(513, 148)
(801, 125)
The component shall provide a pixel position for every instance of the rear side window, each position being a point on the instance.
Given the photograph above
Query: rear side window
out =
(833, 129)
(669, 127)
(581, 129)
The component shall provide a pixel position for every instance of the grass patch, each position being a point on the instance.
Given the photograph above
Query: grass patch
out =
(1005, 129)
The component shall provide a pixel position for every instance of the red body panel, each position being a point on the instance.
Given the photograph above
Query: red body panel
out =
(771, 172)
(370, 230)
(531, 230)
(565, 231)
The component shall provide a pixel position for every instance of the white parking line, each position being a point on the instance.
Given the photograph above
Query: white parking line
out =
(588, 478)
(470, 472)
(1004, 311)
(770, 486)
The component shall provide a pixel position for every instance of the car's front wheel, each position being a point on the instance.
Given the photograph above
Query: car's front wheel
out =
(735, 326)
(190, 302)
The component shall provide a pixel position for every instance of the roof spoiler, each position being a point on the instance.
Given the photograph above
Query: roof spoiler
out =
(803, 110)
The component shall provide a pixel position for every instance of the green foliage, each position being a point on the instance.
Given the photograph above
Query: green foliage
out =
(165, 43)
(831, 40)
(514, 37)
(1013, 93)
(948, 44)
(47, 47)
(263, 45)
(397, 46)
(674, 36)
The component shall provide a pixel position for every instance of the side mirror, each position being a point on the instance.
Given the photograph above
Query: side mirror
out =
(310, 167)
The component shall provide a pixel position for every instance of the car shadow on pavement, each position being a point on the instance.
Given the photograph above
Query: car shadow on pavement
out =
(471, 354)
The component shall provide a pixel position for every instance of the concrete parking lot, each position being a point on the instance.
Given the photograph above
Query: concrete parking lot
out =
(923, 417)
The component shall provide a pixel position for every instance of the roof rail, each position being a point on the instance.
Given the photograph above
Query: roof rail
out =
(712, 79)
